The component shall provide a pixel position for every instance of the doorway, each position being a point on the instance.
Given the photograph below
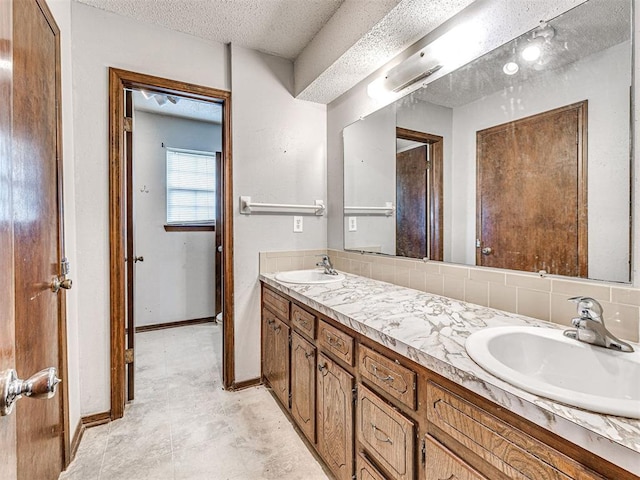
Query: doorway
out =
(532, 177)
(419, 194)
(123, 86)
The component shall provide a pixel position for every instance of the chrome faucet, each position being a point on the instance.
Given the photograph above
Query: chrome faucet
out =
(590, 326)
(326, 263)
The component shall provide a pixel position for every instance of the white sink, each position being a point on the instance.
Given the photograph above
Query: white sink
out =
(308, 276)
(545, 362)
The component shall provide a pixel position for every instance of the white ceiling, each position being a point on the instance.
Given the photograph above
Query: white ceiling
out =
(278, 27)
(184, 108)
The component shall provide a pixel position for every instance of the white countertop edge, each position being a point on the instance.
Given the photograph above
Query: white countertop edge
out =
(583, 428)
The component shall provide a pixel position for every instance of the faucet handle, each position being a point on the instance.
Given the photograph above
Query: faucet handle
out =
(588, 307)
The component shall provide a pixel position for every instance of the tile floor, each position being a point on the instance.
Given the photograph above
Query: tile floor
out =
(183, 426)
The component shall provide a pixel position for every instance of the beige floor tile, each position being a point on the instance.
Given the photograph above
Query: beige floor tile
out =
(184, 426)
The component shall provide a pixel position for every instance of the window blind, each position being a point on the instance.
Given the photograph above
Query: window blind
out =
(191, 187)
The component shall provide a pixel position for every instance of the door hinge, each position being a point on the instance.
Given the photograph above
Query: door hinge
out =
(354, 391)
(128, 124)
(428, 162)
(290, 341)
(128, 356)
(423, 452)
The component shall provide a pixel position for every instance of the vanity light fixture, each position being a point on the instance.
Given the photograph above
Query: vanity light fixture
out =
(540, 37)
(453, 49)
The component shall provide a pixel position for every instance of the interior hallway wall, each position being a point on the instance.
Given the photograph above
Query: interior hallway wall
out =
(101, 40)
(279, 156)
(176, 280)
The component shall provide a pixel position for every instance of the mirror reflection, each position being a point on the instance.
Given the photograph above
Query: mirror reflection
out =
(518, 160)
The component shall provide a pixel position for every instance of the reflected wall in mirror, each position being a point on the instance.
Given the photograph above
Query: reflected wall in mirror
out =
(534, 156)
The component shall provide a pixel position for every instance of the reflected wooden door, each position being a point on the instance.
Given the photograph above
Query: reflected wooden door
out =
(531, 193)
(33, 191)
(411, 203)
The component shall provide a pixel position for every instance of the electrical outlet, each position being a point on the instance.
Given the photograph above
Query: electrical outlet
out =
(353, 224)
(297, 224)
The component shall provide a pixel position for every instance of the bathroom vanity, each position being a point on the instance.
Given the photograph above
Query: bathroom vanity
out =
(376, 378)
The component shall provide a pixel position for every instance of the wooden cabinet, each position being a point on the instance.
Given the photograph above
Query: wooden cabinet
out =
(337, 342)
(386, 434)
(335, 417)
(275, 362)
(303, 385)
(441, 464)
(501, 446)
(462, 436)
(393, 378)
(365, 470)
(303, 321)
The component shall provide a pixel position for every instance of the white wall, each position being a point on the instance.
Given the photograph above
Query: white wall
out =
(370, 180)
(176, 280)
(603, 79)
(100, 40)
(279, 156)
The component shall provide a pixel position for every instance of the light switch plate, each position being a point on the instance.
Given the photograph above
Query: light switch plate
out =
(297, 224)
(353, 224)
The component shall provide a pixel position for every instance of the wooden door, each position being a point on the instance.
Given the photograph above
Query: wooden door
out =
(218, 239)
(303, 385)
(34, 195)
(335, 417)
(131, 258)
(8, 458)
(411, 203)
(531, 193)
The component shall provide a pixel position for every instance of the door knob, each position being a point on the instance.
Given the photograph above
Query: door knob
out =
(39, 385)
(486, 251)
(220, 248)
(138, 259)
(60, 282)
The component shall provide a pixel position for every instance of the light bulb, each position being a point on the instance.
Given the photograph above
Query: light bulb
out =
(531, 53)
(510, 68)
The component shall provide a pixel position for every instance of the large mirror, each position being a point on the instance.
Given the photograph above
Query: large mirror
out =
(507, 162)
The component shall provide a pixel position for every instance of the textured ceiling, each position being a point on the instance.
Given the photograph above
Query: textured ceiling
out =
(184, 108)
(278, 27)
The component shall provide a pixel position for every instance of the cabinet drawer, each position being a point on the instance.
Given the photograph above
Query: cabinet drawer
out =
(386, 434)
(442, 464)
(366, 471)
(513, 452)
(396, 380)
(304, 321)
(336, 342)
(279, 305)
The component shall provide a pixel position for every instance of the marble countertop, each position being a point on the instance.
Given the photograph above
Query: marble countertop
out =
(431, 330)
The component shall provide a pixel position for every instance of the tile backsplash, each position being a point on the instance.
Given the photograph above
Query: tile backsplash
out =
(528, 294)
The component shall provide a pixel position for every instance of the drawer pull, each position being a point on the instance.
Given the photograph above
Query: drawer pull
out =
(308, 354)
(334, 342)
(271, 322)
(375, 434)
(321, 368)
(304, 323)
(388, 378)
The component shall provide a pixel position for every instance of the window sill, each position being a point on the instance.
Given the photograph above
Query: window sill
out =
(189, 228)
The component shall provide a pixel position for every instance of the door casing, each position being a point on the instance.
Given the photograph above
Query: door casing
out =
(119, 80)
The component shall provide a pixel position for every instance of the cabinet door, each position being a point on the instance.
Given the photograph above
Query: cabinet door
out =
(441, 464)
(276, 356)
(303, 385)
(335, 417)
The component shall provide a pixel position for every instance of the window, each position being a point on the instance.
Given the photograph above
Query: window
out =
(191, 187)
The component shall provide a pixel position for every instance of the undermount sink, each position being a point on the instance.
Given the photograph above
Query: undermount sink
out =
(308, 276)
(544, 362)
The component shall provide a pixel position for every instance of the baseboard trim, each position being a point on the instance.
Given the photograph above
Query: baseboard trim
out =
(75, 440)
(252, 382)
(84, 423)
(179, 323)
(96, 419)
